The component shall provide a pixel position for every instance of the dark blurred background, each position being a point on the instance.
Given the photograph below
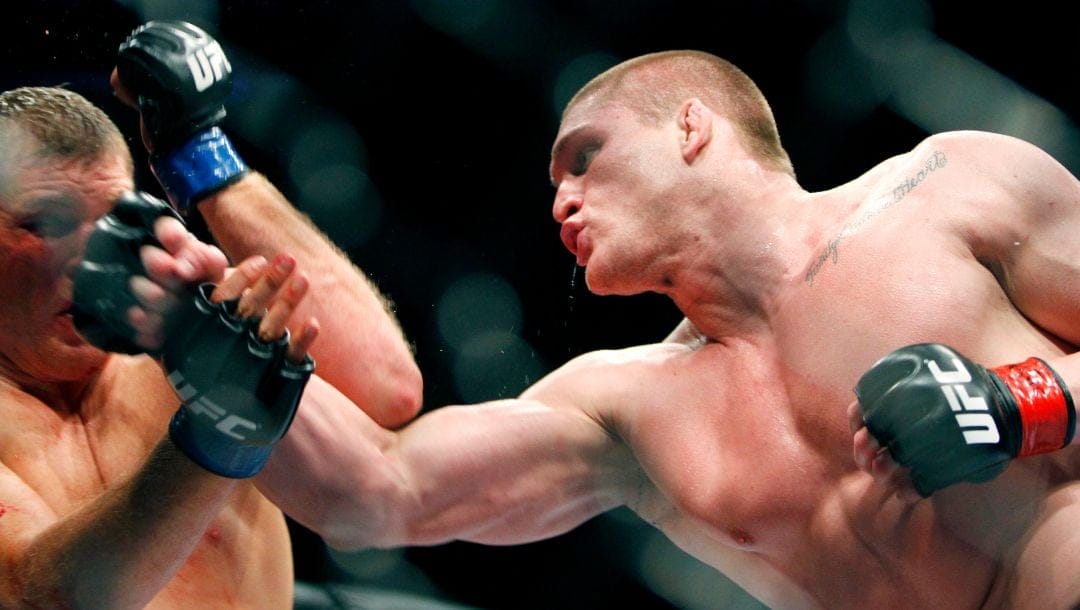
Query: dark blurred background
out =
(417, 133)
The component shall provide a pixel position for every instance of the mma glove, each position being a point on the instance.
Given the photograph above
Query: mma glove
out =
(102, 291)
(950, 420)
(238, 394)
(180, 79)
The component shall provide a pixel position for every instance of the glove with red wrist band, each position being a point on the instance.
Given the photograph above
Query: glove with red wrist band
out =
(950, 420)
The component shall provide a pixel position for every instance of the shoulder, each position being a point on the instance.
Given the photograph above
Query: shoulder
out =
(638, 357)
(1012, 175)
(977, 173)
(999, 157)
(597, 380)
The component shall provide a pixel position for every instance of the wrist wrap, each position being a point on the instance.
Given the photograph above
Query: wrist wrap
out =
(1047, 412)
(199, 167)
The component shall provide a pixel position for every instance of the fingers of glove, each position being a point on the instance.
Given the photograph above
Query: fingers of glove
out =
(239, 279)
(127, 98)
(301, 345)
(262, 293)
(888, 473)
(152, 296)
(876, 461)
(162, 268)
(891, 475)
(854, 415)
(865, 449)
(286, 300)
(196, 261)
(149, 328)
(883, 467)
(121, 91)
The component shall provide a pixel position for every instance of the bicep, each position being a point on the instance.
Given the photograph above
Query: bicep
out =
(502, 472)
(508, 471)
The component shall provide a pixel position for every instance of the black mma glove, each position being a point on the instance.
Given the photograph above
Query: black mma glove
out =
(950, 420)
(102, 292)
(239, 394)
(180, 79)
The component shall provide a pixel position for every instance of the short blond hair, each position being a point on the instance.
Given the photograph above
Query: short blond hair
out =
(63, 123)
(653, 86)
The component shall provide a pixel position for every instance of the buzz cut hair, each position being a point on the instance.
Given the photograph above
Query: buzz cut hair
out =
(63, 124)
(654, 85)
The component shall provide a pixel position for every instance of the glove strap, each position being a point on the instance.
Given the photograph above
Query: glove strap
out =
(215, 452)
(1046, 408)
(204, 164)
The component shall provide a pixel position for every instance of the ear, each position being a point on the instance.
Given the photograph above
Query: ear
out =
(695, 124)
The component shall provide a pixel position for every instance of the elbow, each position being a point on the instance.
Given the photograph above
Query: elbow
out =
(405, 400)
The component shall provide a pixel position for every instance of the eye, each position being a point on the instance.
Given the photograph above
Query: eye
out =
(49, 226)
(580, 164)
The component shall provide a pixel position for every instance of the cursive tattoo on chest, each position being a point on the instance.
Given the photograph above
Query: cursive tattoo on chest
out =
(831, 252)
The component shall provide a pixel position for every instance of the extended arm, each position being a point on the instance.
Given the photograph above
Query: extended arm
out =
(504, 472)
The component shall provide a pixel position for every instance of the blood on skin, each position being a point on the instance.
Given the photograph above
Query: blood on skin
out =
(4, 508)
(213, 535)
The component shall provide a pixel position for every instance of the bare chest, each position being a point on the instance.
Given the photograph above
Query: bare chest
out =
(68, 455)
(71, 458)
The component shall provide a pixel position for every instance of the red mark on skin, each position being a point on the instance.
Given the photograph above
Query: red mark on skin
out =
(213, 535)
(741, 537)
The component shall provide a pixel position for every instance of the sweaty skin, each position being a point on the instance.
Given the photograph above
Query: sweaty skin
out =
(78, 424)
(732, 438)
(99, 509)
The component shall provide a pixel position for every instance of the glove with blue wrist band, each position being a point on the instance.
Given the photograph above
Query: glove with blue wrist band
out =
(180, 79)
(238, 393)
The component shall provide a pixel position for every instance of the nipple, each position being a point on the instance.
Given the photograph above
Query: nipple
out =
(741, 537)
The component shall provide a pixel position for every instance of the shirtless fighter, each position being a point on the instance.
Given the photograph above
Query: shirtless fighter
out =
(732, 436)
(98, 506)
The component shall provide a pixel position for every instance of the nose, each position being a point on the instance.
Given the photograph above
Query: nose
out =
(567, 203)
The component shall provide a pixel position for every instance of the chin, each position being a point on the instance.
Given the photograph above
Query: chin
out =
(601, 282)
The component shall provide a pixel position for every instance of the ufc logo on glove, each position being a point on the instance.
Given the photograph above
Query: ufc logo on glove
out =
(979, 428)
(208, 65)
(226, 423)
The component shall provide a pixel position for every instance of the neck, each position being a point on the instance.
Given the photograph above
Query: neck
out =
(755, 249)
(61, 395)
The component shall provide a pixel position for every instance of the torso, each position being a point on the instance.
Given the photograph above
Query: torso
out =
(746, 443)
(244, 557)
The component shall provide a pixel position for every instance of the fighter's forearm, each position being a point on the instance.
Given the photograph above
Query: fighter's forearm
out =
(361, 349)
(501, 473)
(121, 549)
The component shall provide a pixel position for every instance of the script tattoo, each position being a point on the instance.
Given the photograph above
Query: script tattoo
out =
(831, 252)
